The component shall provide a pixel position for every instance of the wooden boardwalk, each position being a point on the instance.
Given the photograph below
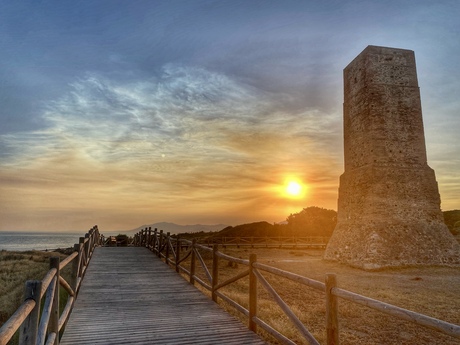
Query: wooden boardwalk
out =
(129, 296)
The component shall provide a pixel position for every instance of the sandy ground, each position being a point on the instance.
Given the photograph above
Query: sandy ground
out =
(433, 291)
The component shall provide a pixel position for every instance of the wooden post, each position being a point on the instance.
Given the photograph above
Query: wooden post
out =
(332, 324)
(168, 239)
(192, 263)
(89, 236)
(53, 326)
(178, 248)
(155, 241)
(160, 243)
(87, 248)
(252, 293)
(149, 238)
(76, 267)
(81, 240)
(98, 235)
(215, 271)
(29, 328)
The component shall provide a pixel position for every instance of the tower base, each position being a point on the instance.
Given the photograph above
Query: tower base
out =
(391, 218)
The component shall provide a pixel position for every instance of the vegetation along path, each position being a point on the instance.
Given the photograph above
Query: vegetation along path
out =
(129, 296)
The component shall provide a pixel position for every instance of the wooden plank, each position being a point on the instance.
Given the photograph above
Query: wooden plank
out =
(129, 296)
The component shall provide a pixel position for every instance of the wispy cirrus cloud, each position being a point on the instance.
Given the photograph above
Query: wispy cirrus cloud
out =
(189, 137)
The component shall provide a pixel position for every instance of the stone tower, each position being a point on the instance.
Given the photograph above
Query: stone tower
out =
(389, 205)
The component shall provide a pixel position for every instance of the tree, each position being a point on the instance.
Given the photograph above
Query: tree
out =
(312, 221)
(451, 218)
(456, 228)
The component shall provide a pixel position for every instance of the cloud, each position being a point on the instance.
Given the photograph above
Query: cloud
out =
(187, 138)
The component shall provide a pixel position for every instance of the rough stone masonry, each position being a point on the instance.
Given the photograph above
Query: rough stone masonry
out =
(389, 205)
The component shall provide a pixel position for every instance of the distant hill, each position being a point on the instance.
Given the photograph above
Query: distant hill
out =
(257, 229)
(260, 229)
(177, 229)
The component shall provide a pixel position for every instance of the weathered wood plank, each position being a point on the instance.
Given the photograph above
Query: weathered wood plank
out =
(129, 296)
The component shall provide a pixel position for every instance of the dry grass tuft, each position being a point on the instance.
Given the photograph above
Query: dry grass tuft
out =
(15, 269)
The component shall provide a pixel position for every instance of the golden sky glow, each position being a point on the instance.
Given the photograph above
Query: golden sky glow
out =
(189, 113)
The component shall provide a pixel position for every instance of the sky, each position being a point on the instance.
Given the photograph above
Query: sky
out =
(123, 113)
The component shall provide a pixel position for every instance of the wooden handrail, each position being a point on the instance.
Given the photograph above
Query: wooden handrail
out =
(401, 313)
(292, 276)
(266, 241)
(12, 324)
(26, 317)
(46, 281)
(233, 259)
(332, 292)
(68, 259)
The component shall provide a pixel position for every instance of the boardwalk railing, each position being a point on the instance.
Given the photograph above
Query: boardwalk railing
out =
(269, 242)
(42, 327)
(171, 250)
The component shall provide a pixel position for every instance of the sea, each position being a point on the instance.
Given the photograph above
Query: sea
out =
(22, 241)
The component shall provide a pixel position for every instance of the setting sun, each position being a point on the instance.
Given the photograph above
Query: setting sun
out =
(294, 188)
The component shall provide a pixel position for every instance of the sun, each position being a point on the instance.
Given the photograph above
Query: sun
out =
(293, 188)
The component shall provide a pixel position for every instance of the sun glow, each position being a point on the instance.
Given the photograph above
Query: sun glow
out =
(294, 189)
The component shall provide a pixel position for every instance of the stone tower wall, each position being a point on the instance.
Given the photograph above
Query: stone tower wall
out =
(382, 110)
(389, 205)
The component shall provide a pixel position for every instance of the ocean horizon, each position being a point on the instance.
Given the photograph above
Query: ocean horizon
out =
(38, 240)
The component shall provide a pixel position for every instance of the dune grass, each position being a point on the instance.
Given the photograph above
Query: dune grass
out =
(15, 269)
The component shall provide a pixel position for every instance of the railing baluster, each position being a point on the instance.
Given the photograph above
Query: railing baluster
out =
(178, 249)
(149, 238)
(53, 325)
(76, 268)
(29, 328)
(160, 243)
(252, 293)
(215, 271)
(167, 248)
(193, 263)
(332, 324)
